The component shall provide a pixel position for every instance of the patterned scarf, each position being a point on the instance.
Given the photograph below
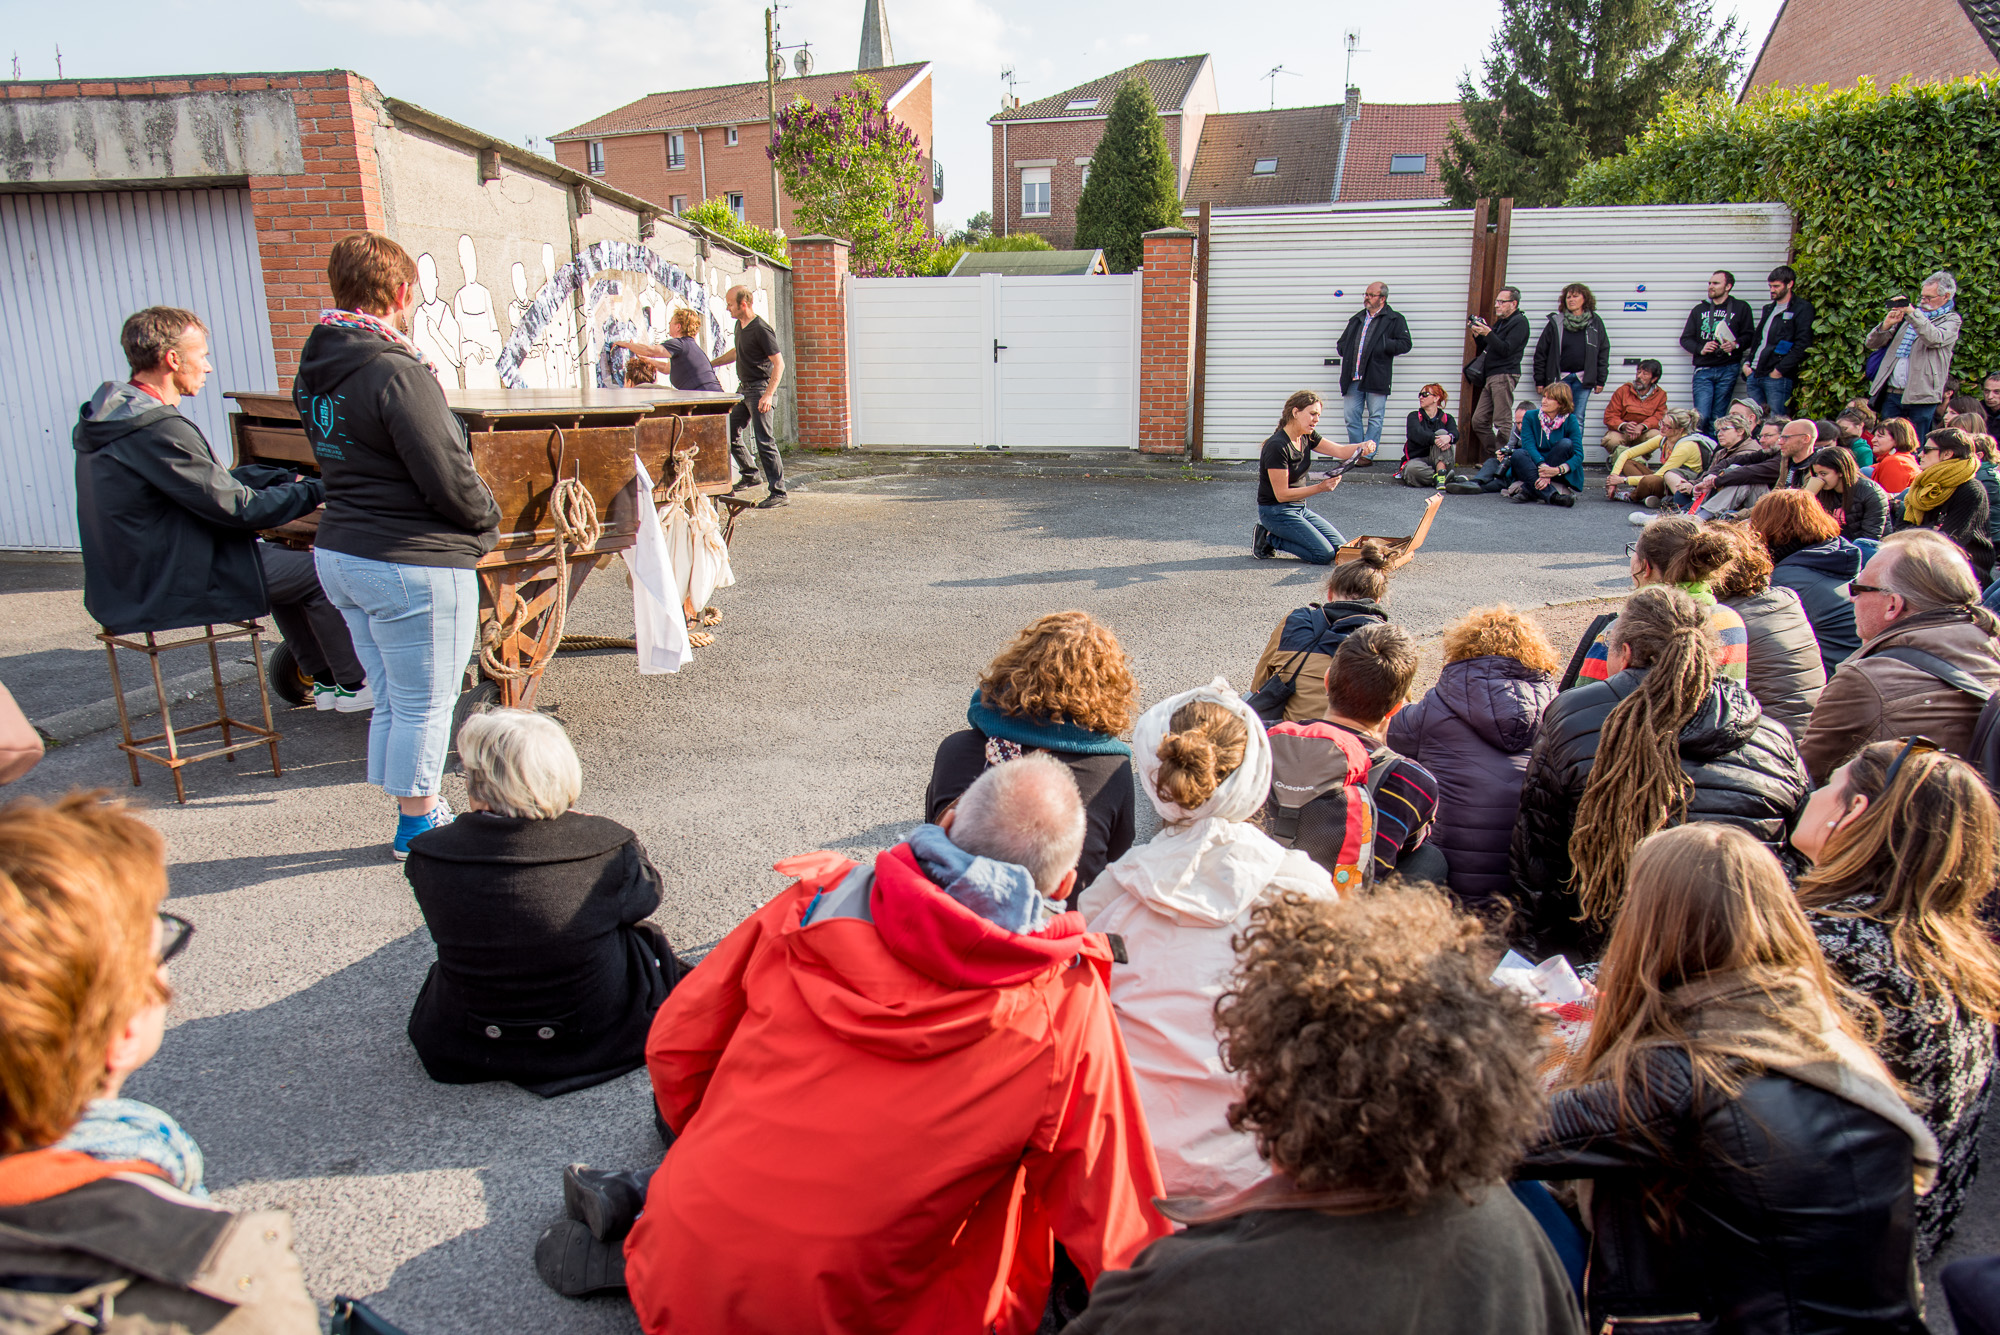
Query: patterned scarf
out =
(1575, 320)
(1908, 341)
(375, 325)
(1551, 425)
(1935, 485)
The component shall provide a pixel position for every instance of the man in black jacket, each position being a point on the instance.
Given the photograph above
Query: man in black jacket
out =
(1375, 335)
(1501, 344)
(1784, 332)
(169, 535)
(1717, 332)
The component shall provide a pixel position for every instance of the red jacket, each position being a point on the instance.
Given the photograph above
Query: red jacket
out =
(884, 1124)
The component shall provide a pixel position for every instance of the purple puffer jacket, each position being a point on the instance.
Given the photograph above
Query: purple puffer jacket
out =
(1473, 730)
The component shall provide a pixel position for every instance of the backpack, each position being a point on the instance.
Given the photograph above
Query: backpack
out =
(1324, 782)
(1984, 752)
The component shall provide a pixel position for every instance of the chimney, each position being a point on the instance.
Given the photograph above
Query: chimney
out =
(1348, 115)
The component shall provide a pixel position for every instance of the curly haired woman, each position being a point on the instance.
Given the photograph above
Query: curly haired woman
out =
(1390, 1088)
(1063, 686)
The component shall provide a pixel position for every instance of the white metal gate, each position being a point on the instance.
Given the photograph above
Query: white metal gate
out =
(1027, 362)
(72, 267)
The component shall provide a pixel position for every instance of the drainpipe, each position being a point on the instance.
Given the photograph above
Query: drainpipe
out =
(701, 155)
(1348, 115)
(1004, 179)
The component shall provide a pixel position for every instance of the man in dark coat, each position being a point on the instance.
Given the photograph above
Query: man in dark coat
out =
(1500, 346)
(1784, 332)
(1375, 335)
(169, 535)
(1717, 333)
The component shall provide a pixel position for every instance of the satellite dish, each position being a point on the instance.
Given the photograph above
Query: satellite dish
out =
(777, 66)
(803, 61)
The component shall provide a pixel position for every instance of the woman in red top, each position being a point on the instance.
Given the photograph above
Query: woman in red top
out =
(1895, 455)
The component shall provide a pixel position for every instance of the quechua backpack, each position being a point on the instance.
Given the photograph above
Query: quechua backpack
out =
(1324, 781)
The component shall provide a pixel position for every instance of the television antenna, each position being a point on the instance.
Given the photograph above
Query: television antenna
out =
(802, 61)
(1271, 76)
(1354, 48)
(1008, 77)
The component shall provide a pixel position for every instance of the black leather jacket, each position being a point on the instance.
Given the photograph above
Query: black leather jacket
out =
(1793, 1211)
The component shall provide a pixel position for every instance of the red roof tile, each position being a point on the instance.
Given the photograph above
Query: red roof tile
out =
(734, 103)
(1306, 143)
(1168, 80)
(1386, 130)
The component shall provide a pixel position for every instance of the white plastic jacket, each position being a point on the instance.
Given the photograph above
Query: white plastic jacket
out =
(1177, 900)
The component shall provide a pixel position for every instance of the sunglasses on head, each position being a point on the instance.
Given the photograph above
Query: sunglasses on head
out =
(1858, 587)
(1909, 744)
(175, 933)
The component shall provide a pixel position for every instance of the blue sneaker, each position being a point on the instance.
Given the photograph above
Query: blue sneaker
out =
(409, 827)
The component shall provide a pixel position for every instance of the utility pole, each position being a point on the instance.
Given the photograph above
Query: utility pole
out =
(771, 106)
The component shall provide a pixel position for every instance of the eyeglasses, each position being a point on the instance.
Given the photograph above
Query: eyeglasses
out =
(1909, 744)
(175, 933)
(1858, 587)
(1632, 547)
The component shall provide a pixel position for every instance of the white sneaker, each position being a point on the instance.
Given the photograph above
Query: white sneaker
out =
(1641, 518)
(351, 702)
(323, 696)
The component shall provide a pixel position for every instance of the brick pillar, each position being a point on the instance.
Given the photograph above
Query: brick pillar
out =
(1166, 340)
(819, 335)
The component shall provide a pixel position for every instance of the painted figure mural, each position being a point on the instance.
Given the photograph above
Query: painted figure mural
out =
(478, 326)
(433, 328)
(628, 292)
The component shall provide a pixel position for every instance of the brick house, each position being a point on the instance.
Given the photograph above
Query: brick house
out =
(1836, 42)
(1042, 149)
(679, 148)
(1298, 155)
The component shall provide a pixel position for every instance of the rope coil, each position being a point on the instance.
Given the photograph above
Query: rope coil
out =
(578, 526)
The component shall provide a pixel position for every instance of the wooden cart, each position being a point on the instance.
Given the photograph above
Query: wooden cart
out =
(523, 441)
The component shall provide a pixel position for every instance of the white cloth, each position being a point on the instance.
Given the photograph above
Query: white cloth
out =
(1177, 900)
(660, 626)
(700, 557)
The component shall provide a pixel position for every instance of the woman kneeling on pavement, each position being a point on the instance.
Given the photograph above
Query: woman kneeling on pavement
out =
(1284, 524)
(1548, 452)
(548, 973)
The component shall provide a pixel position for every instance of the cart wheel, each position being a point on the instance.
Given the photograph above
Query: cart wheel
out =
(471, 702)
(287, 682)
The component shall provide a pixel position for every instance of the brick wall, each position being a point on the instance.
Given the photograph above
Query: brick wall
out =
(1837, 41)
(819, 340)
(1065, 141)
(1166, 340)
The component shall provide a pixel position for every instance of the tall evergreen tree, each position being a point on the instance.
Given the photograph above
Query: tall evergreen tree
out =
(1133, 187)
(1568, 81)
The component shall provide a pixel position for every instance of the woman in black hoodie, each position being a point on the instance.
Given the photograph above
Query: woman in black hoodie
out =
(407, 518)
(1301, 648)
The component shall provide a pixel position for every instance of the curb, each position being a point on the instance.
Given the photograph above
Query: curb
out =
(73, 725)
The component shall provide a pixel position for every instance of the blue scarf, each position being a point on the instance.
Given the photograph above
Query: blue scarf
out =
(118, 1129)
(1909, 339)
(1000, 892)
(1065, 737)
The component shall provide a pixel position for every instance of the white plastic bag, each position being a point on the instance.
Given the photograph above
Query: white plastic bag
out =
(660, 627)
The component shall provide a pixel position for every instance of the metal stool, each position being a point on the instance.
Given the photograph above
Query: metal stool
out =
(173, 759)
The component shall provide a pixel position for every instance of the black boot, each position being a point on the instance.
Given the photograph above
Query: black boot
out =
(604, 1201)
(575, 1264)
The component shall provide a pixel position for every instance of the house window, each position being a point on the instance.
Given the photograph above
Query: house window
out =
(1407, 164)
(1083, 177)
(676, 151)
(729, 136)
(1082, 104)
(594, 151)
(1035, 192)
(679, 204)
(1264, 167)
(736, 204)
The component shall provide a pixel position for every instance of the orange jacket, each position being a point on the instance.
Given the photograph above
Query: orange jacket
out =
(885, 1118)
(1627, 406)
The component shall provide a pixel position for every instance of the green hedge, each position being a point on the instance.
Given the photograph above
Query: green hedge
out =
(1887, 188)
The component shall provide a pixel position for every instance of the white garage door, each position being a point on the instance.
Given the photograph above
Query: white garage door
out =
(72, 267)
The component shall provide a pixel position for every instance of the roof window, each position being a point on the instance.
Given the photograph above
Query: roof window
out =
(1407, 164)
(1082, 104)
(1264, 167)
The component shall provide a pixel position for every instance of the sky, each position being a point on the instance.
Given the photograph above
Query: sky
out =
(530, 68)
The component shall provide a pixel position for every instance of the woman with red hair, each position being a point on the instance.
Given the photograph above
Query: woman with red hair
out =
(1430, 440)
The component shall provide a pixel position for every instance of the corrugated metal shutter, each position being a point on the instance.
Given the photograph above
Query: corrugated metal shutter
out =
(1655, 258)
(72, 267)
(1281, 289)
(921, 359)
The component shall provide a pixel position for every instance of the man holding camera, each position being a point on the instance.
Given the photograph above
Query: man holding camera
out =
(1717, 333)
(1919, 342)
(1500, 344)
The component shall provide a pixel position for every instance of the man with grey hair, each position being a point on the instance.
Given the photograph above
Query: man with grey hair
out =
(1375, 335)
(894, 1088)
(1927, 659)
(1918, 343)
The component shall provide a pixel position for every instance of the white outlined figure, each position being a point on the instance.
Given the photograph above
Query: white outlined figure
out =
(535, 363)
(478, 328)
(433, 328)
(559, 344)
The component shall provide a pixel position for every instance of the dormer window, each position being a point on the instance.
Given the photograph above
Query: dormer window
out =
(1264, 167)
(1082, 104)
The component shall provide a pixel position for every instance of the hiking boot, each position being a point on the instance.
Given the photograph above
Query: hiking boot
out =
(409, 827)
(1261, 545)
(1559, 497)
(577, 1265)
(773, 501)
(605, 1202)
(747, 481)
(1461, 487)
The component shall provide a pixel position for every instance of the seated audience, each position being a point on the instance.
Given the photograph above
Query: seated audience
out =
(1063, 687)
(1987, 451)
(547, 973)
(1737, 488)
(1473, 731)
(1785, 672)
(1904, 841)
(1855, 428)
(1390, 1087)
(1178, 902)
(1947, 497)
(1771, 430)
(1740, 470)
(1664, 740)
(104, 1222)
(1972, 1291)
(1635, 416)
(936, 1044)
(1548, 451)
(1810, 558)
(1430, 440)
(1683, 553)
(1325, 770)
(1752, 1164)
(1302, 645)
(1857, 504)
(1915, 593)
(1895, 455)
(1682, 448)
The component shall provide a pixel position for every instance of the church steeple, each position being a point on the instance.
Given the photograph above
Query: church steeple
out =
(875, 49)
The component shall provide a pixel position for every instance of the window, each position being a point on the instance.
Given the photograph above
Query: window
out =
(1407, 164)
(1035, 192)
(729, 136)
(679, 204)
(1082, 104)
(594, 150)
(676, 151)
(1083, 177)
(1264, 167)
(736, 204)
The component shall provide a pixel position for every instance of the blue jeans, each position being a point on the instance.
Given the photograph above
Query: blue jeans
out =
(1580, 396)
(413, 628)
(1528, 473)
(1364, 416)
(1922, 416)
(1297, 530)
(1711, 393)
(1775, 395)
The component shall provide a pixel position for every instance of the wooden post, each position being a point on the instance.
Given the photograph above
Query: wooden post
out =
(1475, 304)
(1200, 336)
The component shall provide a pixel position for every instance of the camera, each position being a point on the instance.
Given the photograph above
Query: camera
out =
(1898, 303)
(1472, 321)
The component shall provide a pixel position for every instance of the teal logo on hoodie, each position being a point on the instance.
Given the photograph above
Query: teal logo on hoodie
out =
(319, 421)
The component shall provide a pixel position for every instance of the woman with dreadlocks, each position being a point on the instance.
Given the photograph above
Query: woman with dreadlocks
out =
(1665, 739)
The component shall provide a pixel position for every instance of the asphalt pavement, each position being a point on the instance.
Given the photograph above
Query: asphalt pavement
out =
(850, 646)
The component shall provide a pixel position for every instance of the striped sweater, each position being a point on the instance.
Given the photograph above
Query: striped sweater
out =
(1732, 656)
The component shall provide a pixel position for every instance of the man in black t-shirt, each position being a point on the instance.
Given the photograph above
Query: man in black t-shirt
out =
(759, 368)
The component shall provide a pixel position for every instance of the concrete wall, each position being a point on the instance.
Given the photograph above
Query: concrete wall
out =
(127, 142)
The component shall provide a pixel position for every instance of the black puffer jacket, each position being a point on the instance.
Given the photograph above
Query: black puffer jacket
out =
(1786, 674)
(1744, 766)
(1793, 1210)
(1820, 575)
